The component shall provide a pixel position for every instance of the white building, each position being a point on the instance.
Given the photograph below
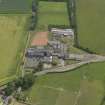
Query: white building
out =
(64, 32)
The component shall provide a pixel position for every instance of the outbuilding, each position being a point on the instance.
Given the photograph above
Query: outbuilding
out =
(62, 32)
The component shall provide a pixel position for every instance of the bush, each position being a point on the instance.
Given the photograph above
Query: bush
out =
(54, 63)
(9, 89)
(24, 82)
(86, 50)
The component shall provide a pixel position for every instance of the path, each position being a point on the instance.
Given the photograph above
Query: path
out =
(85, 59)
(77, 98)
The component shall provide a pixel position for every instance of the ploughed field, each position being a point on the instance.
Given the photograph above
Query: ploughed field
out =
(91, 24)
(8, 6)
(12, 40)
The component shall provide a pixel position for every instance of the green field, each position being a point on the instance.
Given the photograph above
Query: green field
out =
(12, 40)
(54, 13)
(90, 20)
(8, 6)
(84, 86)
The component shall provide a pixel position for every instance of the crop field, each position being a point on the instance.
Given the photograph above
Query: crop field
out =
(8, 6)
(84, 86)
(12, 39)
(90, 20)
(54, 13)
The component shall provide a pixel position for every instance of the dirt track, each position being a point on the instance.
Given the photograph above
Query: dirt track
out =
(89, 58)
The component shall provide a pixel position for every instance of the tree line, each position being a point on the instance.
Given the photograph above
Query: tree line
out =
(22, 82)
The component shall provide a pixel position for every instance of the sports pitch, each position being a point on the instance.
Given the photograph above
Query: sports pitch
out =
(12, 40)
(91, 24)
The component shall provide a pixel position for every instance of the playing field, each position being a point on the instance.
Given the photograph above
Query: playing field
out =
(54, 13)
(12, 39)
(84, 86)
(91, 24)
(8, 6)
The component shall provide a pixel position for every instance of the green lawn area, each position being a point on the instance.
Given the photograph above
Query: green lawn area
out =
(12, 41)
(84, 86)
(16, 6)
(1, 101)
(54, 13)
(91, 23)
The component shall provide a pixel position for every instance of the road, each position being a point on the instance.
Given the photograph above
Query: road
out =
(85, 59)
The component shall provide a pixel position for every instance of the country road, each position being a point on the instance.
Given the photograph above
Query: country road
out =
(85, 59)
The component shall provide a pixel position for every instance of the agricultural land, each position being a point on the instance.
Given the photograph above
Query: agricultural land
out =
(15, 6)
(12, 40)
(52, 13)
(83, 85)
(13, 36)
(90, 22)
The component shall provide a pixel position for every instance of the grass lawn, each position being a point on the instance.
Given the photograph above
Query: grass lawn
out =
(12, 40)
(8, 6)
(54, 13)
(91, 23)
(84, 86)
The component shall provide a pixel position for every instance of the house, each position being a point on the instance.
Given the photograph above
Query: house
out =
(62, 32)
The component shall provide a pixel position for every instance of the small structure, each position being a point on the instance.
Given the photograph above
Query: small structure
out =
(62, 32)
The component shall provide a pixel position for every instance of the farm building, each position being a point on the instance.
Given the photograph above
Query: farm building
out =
(38, 53)
(54, 44)
(34, 56)
(58, 46)
(62, 32)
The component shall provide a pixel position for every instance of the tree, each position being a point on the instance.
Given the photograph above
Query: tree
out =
(25, 82)
(39, 67)
(9, 89)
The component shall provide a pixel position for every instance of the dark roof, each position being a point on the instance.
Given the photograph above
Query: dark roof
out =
(32, 52)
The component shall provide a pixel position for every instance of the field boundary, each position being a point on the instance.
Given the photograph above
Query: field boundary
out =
(18, 58)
